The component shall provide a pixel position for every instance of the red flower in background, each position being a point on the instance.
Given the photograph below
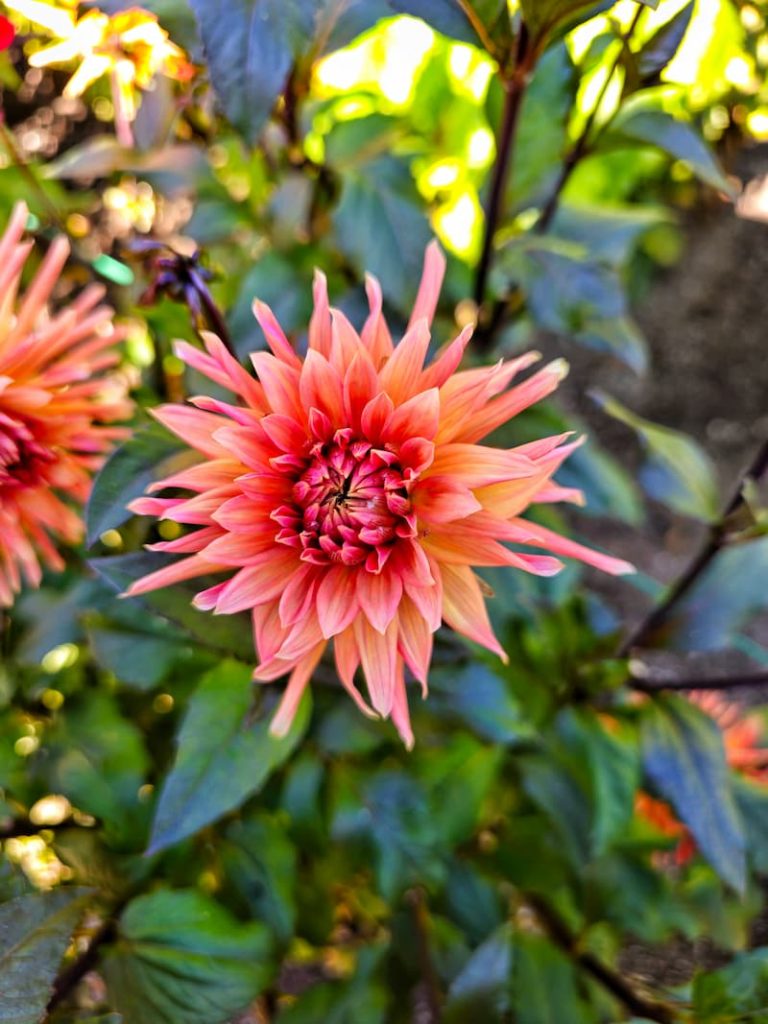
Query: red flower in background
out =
(7, 33)
(54, 400)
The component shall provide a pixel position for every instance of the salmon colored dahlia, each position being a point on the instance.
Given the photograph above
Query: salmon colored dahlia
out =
(53, 404)
(347, 496)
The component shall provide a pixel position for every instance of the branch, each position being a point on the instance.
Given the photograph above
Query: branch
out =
(715, 541)
(649, 684)
(418, 905)
(561, 935)
(515, 87)
(579, 148)
(71, 976)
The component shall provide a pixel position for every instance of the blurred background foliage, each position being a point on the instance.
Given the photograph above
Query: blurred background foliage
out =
(571, 842)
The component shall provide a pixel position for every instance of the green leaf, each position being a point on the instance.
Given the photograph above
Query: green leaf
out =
(640, 121)
(678, 472)
(248, 49)
(34, 933)
(278, 281)
(259, 863)
(609, 234)
(571, 294)
(752, 801)
(180, 958)
(722, 601)
(149, 455)
(445, 16)
(544, 985)
(542, 135)
(222, 757)
(683, 756)
(251, 45)
(481, 992)
(735, 993)
(228, 634)
(378, 202)
(612, 774)
(137, 659)
(659, 50)
(475, 696)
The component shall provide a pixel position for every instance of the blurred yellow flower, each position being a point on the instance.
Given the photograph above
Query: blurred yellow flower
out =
(131, 47)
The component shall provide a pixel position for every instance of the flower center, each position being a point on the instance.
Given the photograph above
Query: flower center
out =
(350, 504)
(22, 458)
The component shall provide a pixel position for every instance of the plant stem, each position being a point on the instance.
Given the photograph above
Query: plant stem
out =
(649, 684)
(580, 146)
(514, 87)
(71, 976)
(560, 933)
(716, 539)
(418, 905)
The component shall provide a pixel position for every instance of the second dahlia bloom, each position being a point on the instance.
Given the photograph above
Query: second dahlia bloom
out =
(347, 496)
(54, 402)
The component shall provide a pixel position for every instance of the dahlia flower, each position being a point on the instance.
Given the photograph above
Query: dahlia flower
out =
(347, 497)
(129, 46)
(53, 403)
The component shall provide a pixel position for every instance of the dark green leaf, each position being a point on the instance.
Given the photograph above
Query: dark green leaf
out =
(259, 862)
(34, 933)
(228, 634)
(137, 659)
(222, 758)
(475, 696)
(752, 801)
(481, 992)
(609, 234)
(96, 758)
(182, 959)
(724, 598)
(736, 993)
(472, 901)
(544, 985)
(278, 281)
(377, 202)
(249, 52)
(542, 137)
(659, 50)
(683, 755)
(678, 472)
(641, 122)
(446, 16)
(149, 455)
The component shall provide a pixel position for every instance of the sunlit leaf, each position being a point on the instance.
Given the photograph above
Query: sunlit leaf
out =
(182, 959)
(34, 933)
(222, 757)
(678, 472)
(546, 18)
(641, 121)
(683, 755)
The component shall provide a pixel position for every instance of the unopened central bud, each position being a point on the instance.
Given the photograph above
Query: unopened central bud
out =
(350, 505)
(22, 457)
